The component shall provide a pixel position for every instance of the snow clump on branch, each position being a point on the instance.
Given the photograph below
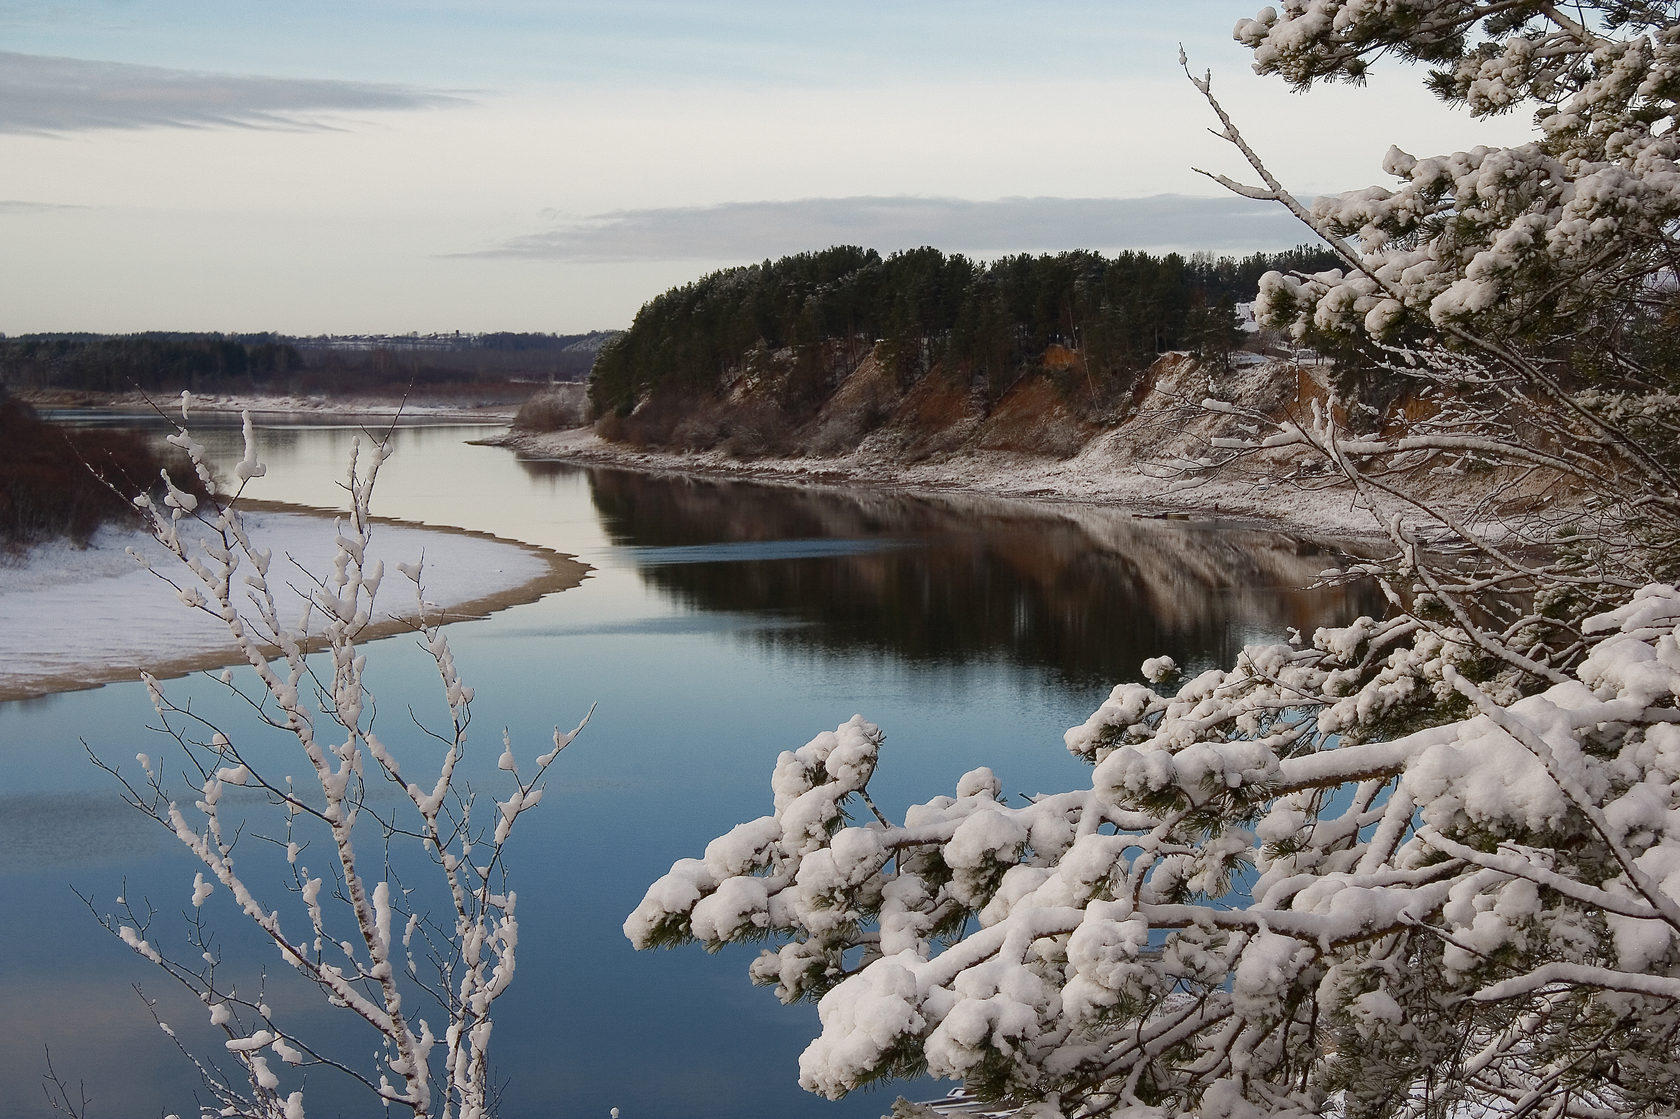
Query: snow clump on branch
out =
(1252, 900)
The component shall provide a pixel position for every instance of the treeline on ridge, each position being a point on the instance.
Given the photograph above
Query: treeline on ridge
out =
(802, 324)
(160, 361)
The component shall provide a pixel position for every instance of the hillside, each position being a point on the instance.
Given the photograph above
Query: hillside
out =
(1070, 377)
(1155, 458)
(821, 352)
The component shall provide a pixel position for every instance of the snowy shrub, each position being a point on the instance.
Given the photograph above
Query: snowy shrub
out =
(559, 408)
(57, 481)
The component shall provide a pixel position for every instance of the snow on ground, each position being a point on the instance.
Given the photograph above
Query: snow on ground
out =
(73, 617)
(1107, 472)
(372, 408)
(1156, 463)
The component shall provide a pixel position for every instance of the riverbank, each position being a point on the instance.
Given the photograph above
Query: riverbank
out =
(80, 617)
(1159, 457)
(1153, 465)
(372, 409)
(1108, 472)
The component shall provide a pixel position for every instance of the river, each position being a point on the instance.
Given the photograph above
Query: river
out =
(723, 622)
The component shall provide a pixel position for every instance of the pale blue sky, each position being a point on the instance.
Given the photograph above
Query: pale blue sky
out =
(520, 165)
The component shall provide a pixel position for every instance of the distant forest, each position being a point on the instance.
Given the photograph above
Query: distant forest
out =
(818, 314)
(163, 362)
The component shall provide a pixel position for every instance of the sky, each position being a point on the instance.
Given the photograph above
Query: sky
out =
(370, 166)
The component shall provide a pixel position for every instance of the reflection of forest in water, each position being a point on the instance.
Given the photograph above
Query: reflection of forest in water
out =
(1086, 591)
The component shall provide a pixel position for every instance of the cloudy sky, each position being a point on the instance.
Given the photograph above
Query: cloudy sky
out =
(396, 165)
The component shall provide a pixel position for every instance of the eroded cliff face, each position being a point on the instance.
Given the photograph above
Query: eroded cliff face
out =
(834, 403)
(1147, 442)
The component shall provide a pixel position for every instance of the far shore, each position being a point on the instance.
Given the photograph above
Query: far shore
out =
(1296, 507)
(1090, 477)
(415, 409)
(1108, 472)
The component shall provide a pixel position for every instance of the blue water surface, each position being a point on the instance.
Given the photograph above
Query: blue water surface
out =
(721, 623)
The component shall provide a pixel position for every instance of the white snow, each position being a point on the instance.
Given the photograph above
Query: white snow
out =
(1105, 473)
(322, 405)
(1082, 931)
(73, 617)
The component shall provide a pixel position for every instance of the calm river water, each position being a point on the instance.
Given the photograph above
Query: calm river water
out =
(723, 623)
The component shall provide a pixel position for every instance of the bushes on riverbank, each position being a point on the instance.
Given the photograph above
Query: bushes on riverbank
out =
(558, 409)
(58, 482)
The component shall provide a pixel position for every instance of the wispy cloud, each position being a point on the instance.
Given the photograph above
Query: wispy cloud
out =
(20, 206)
(754, 230)
(40, 94)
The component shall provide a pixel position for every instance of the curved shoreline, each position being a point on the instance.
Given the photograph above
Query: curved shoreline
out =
(1321, 512)
(560, 572)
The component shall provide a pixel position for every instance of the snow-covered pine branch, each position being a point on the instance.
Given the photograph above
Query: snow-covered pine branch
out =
(1266, 893)
(1571, 225)
(375, 947)
(1528, 292)
(1516, 310)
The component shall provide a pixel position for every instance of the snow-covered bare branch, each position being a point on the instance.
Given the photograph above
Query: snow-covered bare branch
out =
(295, 838)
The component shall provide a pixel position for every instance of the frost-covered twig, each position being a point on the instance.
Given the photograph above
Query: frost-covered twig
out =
(347, 927)
(58, 1093)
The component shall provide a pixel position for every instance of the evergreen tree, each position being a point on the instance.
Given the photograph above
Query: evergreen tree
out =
(921, 309)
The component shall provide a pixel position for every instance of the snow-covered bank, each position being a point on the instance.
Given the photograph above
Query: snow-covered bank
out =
(74, 618)
(374, 409)
(1105, 473)
(1154, 459)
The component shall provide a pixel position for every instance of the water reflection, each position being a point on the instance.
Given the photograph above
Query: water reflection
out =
(725, 622)
(1086, 592)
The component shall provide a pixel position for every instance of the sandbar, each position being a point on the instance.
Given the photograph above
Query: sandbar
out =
(80, 617)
